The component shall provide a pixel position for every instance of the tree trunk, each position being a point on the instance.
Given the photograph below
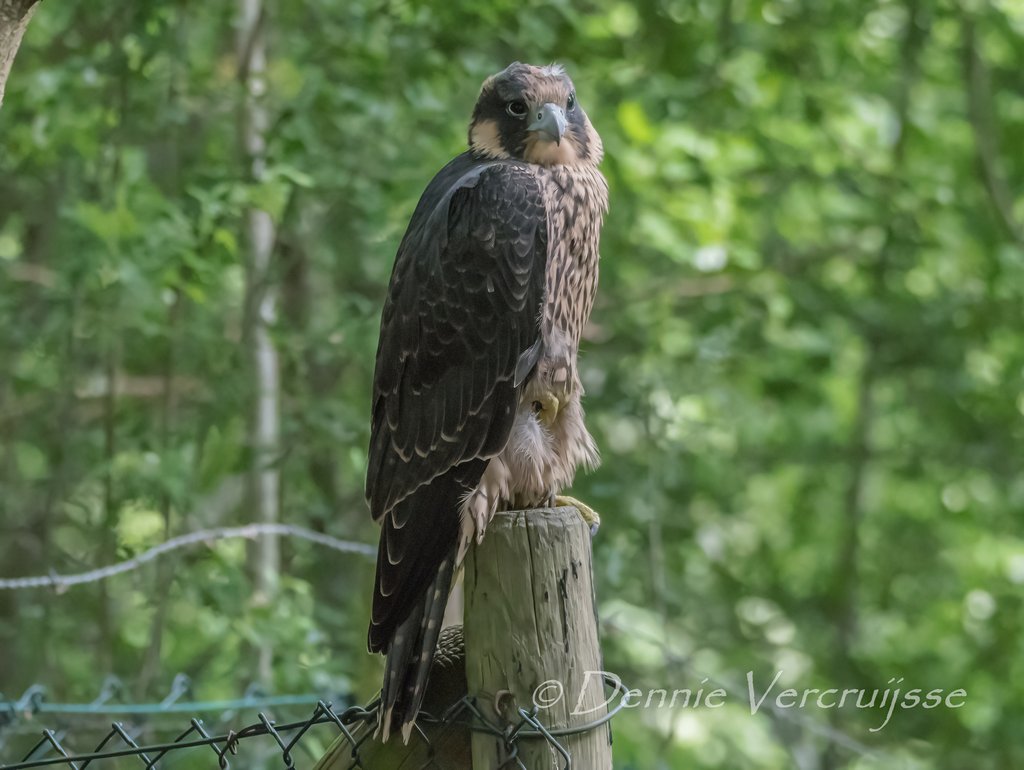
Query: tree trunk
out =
(261, 307)
(14, 18)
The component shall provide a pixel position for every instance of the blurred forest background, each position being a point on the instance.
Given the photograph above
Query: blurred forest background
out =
(805, 369)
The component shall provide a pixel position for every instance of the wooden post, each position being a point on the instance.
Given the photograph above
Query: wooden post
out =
(531, 634)
(530, 638)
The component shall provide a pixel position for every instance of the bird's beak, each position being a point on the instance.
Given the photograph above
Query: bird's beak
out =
(550, 122)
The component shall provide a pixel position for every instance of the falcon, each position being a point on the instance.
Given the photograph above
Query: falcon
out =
(476, 397)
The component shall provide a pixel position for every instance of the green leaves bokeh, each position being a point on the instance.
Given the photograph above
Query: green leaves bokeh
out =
(805, 369)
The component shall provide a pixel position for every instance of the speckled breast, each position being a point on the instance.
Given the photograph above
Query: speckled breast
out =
(577, 202)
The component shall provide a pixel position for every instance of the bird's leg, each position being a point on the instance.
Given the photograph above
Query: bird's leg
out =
(588, 514)
(546, 407)
(553, 387)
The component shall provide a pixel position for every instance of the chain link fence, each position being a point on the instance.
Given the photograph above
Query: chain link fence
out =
(439, 741)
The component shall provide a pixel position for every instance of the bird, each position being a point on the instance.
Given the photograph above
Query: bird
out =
(476, 403)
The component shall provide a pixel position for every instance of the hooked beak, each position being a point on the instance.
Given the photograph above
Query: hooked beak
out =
(550, 122)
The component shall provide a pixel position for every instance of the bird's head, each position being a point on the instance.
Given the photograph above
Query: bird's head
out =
(531, 113)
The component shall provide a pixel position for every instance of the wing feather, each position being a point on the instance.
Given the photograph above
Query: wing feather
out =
(462, 312)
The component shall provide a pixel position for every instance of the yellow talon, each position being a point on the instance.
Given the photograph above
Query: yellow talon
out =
(588, 514)
(546, 408)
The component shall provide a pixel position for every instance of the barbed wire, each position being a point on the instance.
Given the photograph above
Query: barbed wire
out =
(63, 582)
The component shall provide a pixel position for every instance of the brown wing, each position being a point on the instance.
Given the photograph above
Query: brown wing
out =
(463, 309)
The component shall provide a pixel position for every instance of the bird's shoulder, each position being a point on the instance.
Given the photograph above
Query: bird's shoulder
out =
(469, 207)
(469, 180)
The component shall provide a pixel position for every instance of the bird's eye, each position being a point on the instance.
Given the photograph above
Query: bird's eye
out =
(517, 108)
(570, 105)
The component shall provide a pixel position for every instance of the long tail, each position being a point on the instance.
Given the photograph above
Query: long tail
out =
(410, 655)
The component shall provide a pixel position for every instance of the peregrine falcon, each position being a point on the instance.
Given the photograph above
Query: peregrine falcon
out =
(476, 399)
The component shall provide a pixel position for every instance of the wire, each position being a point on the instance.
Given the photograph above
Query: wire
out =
(249, 531)
(183, 707)
(352, 717)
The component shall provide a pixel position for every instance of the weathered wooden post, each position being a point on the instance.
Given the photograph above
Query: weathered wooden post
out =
(531, 637)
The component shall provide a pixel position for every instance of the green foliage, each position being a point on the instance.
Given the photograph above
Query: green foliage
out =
(805, 369)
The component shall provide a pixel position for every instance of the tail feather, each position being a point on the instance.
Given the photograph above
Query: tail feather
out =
(410, 655)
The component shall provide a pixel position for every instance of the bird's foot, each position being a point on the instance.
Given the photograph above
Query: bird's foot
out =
(546, 407)
(476, 514)
(588, 514)
(558, 374)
